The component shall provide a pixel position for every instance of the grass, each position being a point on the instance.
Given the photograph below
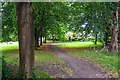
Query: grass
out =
(5, 46)
(78, 44)
(11, 57)
(54, 41)
(118, 44)
(45, 58)
(105, 59)
(41, 58)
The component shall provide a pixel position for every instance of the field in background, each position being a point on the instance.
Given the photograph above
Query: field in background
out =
(76, 44)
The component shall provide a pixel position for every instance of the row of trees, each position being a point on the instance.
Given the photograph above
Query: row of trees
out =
(37, 20)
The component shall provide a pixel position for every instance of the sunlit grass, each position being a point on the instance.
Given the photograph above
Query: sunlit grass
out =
(79, 44)
(105, 59)
(54, 41)
(5, 46)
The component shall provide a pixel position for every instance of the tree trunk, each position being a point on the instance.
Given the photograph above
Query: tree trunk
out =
(38, 40)
(45, 38)
(106, 37)
(95, 39)
(53, 38)
(24, 13)
(35, 38)
(41, 37)
(114, 33)
(69, 38)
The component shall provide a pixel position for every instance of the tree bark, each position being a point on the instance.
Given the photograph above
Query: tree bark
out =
(38, 39)
(69, 38)
(114, 33)
(53, 38)
(45, 38)
(41, 37)
(24, 13)
(35, 38)
(106, 38)
(95, 39)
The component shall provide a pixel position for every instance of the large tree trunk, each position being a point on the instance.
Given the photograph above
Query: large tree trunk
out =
(95, 39)
(114, 33)
(24, 13)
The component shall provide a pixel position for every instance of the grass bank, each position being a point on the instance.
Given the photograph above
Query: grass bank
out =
(106, 60)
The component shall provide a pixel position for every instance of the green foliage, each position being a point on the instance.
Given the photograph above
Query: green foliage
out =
(9, 23)
(56, 18)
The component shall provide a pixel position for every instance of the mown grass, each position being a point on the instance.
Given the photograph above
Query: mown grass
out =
(78, 44)
(5, 46)
(105, 59)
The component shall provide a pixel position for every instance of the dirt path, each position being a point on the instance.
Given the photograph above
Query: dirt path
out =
(82, 69)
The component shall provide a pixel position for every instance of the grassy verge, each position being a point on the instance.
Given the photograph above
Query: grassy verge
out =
(42, 59)
(78, 44)
(105, 59)
(10, 61)
(14, 61)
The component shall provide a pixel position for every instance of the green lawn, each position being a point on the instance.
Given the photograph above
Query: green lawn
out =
(105, 59)
(5, 46)
(78, 44)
